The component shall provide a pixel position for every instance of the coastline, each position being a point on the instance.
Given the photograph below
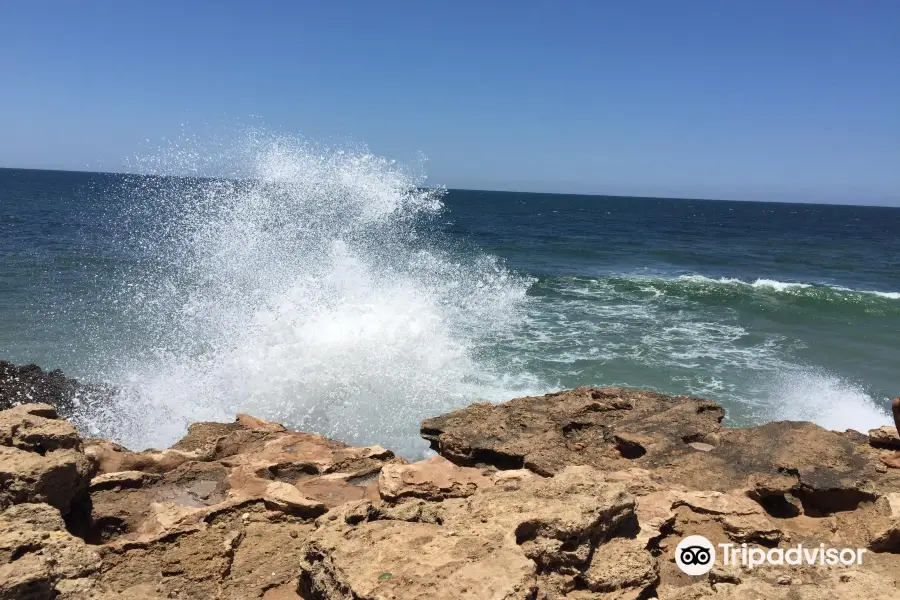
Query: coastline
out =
(579, 494)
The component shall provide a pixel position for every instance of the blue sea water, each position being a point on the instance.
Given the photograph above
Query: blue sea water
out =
(337, 295)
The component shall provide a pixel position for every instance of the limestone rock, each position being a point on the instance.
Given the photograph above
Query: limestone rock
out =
(233, 551)
(825, 584)
(38, 558)
(622, 569)
(122, 480)
(41, 458)
(111, 458)
(580, 495)
(615, 429)
(744, 520)
(885, 437)
(494, 543)
(888, 540)
(37, 428)
(216, 464)
(604, 427)
(433, 479)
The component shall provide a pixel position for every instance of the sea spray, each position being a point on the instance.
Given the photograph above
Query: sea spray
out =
(326, 289)
(826, 399)
(303, 285)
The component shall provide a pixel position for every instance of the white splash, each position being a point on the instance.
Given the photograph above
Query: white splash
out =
(302, 288)
(823, 398)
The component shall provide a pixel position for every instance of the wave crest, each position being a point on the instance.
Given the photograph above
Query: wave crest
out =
(783, 293)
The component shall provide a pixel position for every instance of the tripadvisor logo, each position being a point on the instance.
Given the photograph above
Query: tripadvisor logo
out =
(695, 555)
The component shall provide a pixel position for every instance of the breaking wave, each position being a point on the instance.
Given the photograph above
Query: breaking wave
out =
(306, 286)
(317, 287)
(814, 296)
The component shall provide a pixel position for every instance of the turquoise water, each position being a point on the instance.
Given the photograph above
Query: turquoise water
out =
(345, 299)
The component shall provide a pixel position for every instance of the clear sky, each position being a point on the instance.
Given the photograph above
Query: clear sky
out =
(782, 100)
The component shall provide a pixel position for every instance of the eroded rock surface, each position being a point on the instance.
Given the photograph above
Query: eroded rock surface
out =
(217, 464)
(41, 459)
(614, 429)
(38, 557)
(774, 486)
(580, 495)
(885, 437)
(537, 539)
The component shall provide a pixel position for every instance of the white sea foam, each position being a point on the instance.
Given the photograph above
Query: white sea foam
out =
(778, 286)
(301, 289)
(890, 295)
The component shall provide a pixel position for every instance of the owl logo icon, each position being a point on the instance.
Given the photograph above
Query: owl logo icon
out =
(695, 555)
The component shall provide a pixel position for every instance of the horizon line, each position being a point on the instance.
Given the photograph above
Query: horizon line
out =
(499, 191)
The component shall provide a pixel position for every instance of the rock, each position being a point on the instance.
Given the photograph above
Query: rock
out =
(492, 544)
(605, 427)
(41, 459)
(513, 479)
(581, 495)
(614, 429)
(433, 479)
(893, 500)
(122, 480)
(39, 559)
(743, 520)
(885, 437)
(622, 569)
(234, 551)
(701, 446)
(216, 464)
(824, 585)
(888, 540)
(37, 428)
(29, 384)
(288, 499)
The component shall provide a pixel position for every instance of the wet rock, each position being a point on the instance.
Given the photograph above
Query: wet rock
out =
(29, 384)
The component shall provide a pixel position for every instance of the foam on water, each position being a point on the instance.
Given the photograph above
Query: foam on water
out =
(302, 288)
(639, 331)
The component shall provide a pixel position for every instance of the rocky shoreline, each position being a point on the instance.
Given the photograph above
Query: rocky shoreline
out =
(582, 494)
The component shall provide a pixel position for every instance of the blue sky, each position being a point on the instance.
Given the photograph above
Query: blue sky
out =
(784, 100)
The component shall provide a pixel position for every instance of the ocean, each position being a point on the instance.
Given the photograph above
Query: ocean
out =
(331, 291)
